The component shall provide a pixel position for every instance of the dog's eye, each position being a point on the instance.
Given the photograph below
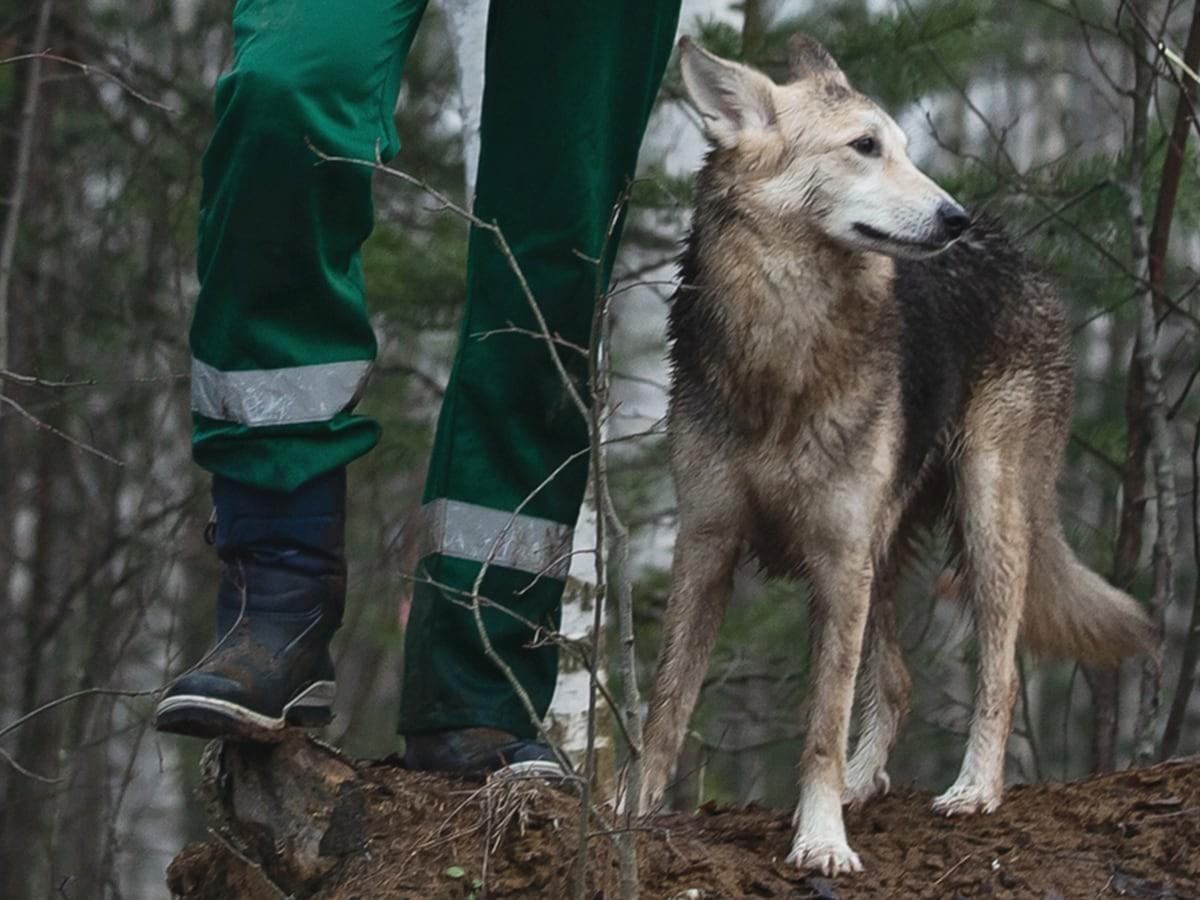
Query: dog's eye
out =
(867, 146)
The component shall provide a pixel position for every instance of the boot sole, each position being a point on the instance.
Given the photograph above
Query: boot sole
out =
(195, 715)
(545, 769)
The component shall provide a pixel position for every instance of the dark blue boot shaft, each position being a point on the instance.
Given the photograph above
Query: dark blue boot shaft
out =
(279, 603)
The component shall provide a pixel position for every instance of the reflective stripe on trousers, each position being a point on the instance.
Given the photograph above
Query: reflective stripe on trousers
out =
(288, 396)
(477, 533)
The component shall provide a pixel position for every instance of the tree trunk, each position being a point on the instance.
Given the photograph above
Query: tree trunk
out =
(468, 34)
(1185, 121)
(26, 137)
(1146, 352)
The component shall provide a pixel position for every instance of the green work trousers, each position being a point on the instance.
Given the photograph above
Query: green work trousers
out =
(281, 340)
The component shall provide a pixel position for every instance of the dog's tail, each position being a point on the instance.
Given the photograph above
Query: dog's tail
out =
(1072, 612)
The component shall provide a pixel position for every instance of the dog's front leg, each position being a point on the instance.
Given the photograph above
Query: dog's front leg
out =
(841, 600)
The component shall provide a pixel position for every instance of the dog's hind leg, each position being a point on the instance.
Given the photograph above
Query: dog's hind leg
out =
(841, 600)
(702, 580)
(884, 692)
(994, 522)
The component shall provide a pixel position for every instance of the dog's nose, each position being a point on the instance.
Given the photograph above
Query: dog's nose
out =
(954, 218)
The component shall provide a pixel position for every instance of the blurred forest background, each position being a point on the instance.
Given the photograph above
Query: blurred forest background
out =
(1034, 110)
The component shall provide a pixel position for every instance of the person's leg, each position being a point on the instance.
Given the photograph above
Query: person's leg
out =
(281, 342)
(282, 346)
(568, 91)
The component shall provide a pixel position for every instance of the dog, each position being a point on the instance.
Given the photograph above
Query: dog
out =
(854, 358)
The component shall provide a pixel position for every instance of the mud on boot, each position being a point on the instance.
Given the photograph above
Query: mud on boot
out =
(279, 603)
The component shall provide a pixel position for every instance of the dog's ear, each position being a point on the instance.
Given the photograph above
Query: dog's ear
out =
(732, 98)
(808, 57)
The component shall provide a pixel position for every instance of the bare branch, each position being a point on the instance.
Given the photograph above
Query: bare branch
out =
(115, 692)
(46, 426)
(88, 70)
(528, 332)
(44, 779)
(501, 244)
(50, 384)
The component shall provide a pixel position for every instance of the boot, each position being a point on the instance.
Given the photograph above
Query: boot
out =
(280, 600)
(479, 751)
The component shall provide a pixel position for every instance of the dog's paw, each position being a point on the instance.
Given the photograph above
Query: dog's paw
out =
(829, 858)
(967, 798)
(618, 802)
(649, 801)
(863, 785)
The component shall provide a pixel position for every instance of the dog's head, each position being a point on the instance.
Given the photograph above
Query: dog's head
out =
(817, 153)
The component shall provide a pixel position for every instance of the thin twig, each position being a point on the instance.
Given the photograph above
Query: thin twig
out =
(44, 779)
(89, 70)
(529, 332)
(497, 236)
(115, 692)
(46, 426)
(485, 639)
(951, 870)
(51, 384)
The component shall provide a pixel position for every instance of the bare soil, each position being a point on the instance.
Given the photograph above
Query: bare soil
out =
(408, 835)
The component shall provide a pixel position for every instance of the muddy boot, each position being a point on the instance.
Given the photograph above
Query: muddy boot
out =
(279, 603)
(480, 751)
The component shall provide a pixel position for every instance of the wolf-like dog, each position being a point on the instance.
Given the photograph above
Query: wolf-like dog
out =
(854, 358)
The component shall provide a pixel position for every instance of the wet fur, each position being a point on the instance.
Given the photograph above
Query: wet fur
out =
(828, 401)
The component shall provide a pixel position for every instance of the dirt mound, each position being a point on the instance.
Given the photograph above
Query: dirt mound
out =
(299, 819)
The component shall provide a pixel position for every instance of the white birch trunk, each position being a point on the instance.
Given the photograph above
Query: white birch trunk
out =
(468, 33)
(568, 718)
